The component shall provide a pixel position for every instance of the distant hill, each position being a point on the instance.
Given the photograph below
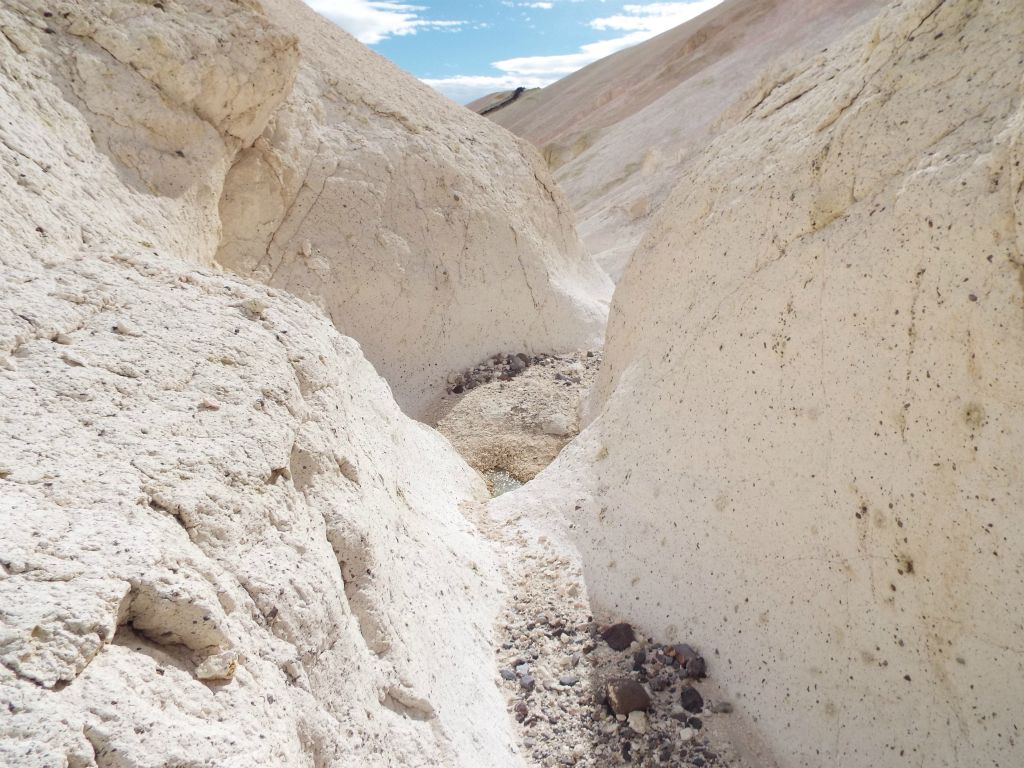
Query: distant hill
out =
(617, 131)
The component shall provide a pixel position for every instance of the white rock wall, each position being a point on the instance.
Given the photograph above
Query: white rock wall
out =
(222, 542)
(805, 448)
(427, 233)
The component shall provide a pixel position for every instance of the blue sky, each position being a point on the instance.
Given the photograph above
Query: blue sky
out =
(468, 49)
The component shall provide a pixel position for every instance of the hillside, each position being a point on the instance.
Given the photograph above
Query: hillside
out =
(618, 132)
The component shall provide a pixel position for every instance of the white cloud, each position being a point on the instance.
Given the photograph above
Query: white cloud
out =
(541, 6)
(371, 21)
(465, 88)
(639, 22)
(563, 64)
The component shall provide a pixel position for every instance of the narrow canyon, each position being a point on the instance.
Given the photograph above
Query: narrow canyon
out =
(669, 415)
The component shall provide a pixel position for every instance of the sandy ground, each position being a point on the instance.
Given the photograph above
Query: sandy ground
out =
(501, 416)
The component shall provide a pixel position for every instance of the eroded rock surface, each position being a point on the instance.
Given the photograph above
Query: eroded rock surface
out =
(426, 233)
(222, 544)
(807, 430)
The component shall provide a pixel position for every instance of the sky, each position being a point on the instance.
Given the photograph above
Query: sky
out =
(469, 49)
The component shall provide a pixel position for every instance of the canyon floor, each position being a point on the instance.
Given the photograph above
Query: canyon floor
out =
(583, 693)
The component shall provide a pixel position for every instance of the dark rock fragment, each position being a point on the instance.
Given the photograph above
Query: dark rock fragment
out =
(692, 663)
(619, 636)
(660, 682)
(691, 699)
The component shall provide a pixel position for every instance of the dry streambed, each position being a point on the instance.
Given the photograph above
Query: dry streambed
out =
(582, 693)
(591, 695)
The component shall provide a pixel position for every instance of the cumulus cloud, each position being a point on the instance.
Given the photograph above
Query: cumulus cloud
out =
(639, 22)
(562, 64)
(371, 21)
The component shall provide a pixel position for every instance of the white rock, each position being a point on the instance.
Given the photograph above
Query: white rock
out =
(363, 160)
(806, 433)
(638, 721)
(220, 666)
(296, 526)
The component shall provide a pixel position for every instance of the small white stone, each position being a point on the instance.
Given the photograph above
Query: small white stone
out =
(220, 666)
(638, 721)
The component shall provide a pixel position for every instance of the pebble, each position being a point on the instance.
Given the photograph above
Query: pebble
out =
(625, 696)
(503, 367)
(693, 663)
(638, 721)
(619, 636)
(586, 694)
(691, 699)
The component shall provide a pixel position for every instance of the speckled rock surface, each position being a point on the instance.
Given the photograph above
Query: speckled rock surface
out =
(428, 234)
(216, 543)
(221, 544)
(807, 430)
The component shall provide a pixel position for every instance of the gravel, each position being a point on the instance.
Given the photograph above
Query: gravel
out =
(580, 702)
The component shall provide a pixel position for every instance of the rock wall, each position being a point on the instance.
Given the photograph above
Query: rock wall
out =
(804, 452)
(137, 107)
(429, 235)
(222, 544)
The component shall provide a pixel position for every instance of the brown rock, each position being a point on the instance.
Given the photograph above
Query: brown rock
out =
(625, 696)
(619, 636)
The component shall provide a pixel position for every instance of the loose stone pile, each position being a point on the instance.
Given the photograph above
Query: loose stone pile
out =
(591, 695)
(504, 367)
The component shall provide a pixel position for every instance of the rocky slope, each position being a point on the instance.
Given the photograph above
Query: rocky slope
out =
(805, 437)
(619, 131)
(223, 544)
(427, 235)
